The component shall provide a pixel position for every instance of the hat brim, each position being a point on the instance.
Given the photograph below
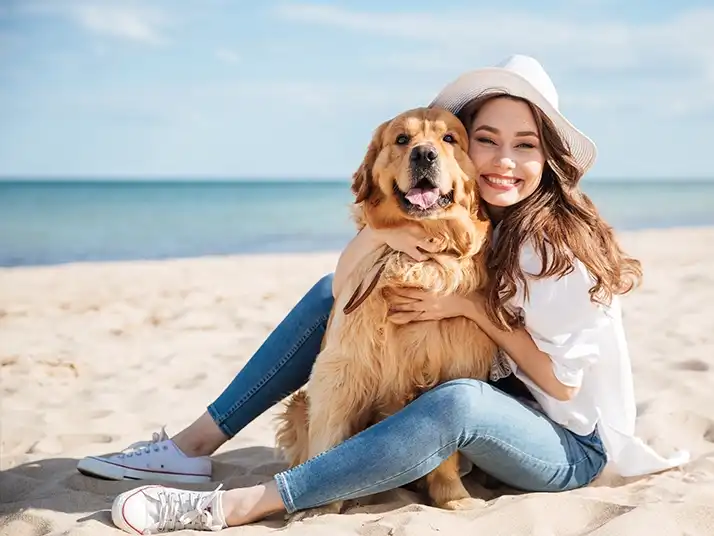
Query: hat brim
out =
(474, 84)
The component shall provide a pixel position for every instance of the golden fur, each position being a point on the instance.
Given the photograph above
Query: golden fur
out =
(370, 367)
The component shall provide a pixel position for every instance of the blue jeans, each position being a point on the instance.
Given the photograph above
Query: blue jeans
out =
(497, 431)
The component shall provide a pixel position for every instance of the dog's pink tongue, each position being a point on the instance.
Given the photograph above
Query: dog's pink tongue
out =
(423, 198)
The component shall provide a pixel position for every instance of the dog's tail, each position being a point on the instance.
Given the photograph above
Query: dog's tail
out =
(292, 437)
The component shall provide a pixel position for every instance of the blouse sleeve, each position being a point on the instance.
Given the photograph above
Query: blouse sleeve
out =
(561, 319)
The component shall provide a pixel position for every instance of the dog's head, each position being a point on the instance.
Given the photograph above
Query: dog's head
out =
(416, 168)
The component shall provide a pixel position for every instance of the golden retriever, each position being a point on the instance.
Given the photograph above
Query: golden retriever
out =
(416, 170)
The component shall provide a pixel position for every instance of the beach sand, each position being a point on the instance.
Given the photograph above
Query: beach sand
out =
(94, 357)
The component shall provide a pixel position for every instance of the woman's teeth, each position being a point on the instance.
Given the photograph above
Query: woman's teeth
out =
(504, 182)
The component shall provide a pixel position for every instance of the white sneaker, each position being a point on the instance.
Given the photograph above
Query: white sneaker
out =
(158, 459)
(156, 509)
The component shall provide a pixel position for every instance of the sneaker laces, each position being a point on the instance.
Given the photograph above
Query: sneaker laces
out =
(179, 509)
(144, 447)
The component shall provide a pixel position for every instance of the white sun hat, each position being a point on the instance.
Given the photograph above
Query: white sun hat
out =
(520, 76)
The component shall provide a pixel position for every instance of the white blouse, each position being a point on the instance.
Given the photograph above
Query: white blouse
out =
(586, 343)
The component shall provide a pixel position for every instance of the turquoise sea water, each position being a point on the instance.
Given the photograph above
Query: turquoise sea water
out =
(50, 222)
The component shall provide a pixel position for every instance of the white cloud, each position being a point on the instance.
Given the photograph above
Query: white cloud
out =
(662, 63)
(169, 105)
(136, 24)
(601, 43)
(452, 29)
(123, 20)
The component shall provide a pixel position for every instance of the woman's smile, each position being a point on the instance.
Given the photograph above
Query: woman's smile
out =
(500, 182)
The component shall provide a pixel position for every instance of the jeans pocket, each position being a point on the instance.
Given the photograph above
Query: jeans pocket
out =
(593, 444)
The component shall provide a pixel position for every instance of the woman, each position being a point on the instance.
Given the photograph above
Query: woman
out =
(558, 272)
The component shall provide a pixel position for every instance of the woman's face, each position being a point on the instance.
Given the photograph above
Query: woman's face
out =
(505, 148)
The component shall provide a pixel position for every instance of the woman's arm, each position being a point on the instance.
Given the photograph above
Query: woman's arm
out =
(520, 347)
(561, 341)
(409, 239)
(365, 242)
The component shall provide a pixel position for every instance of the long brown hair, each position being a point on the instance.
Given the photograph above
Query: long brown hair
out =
(562, 224)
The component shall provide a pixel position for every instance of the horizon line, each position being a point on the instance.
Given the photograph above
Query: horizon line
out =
(239, 178)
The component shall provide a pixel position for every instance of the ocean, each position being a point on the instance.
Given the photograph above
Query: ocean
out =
(53, 222)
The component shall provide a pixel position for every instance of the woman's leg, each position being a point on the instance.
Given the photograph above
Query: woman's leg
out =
(503, 437)
(280, 366)
(500, 435)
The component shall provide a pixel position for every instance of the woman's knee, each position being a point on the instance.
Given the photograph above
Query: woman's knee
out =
(461, 401)
(320, 294)
(323, 287)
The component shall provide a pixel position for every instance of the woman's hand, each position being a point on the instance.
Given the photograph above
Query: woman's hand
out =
(409, 305)
(409, 239)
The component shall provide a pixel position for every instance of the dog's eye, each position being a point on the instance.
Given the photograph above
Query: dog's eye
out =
(402, 139)
(448, 138)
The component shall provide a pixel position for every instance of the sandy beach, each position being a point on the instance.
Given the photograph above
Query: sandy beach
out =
(94, 357)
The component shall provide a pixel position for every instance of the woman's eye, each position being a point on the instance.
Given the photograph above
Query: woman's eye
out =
(402, 139)
(527, 145)
(448, 138)
(485, 140)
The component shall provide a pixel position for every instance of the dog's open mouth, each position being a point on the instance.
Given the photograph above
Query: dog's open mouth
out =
(423, 198)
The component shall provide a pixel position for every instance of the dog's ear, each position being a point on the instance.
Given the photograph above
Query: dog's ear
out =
(362, 180)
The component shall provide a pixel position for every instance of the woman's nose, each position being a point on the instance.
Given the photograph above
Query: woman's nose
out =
(505, 162)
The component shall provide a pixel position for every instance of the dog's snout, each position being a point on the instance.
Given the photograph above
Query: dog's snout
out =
(424, 155)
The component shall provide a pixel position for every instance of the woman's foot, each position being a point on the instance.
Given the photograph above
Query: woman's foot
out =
(159, 459)
(246, 505)
(182, 458)
(157, 509)
(202, 437)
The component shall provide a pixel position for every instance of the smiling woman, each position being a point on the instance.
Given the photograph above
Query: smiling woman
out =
(510, 158)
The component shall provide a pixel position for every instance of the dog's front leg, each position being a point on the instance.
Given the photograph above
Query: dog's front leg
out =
(338, 389)
(336, 410)
(326, 431)
(446, 488)
(329, 426)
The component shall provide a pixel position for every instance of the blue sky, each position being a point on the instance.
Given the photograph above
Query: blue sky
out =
(226, 88)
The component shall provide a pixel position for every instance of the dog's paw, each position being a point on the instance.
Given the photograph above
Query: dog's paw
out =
(302, 515)
(468, 503)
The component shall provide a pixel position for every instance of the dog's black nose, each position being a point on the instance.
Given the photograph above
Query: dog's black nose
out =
(423, 155)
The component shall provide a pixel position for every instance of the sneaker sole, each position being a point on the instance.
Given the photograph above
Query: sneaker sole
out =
(96, 467)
